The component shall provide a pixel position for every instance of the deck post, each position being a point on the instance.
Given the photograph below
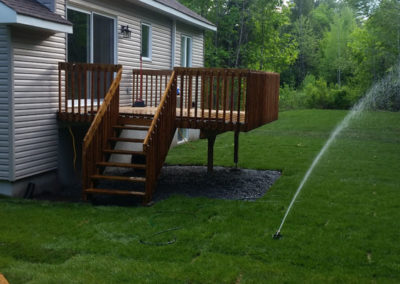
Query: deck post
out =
(211, 135)
(236, 148)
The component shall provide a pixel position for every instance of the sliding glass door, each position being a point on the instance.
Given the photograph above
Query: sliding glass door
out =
(79, 40)
(93, 41)
(93, 38)
(103, 39)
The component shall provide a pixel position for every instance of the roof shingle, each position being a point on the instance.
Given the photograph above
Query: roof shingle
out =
(34, 9)
(183, 9)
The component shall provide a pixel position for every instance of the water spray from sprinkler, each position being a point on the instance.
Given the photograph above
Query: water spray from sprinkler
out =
(367, 102)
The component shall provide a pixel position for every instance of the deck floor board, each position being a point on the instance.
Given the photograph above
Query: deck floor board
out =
(186, 113)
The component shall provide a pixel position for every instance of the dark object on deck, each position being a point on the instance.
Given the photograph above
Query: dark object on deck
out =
(277, 236)
(139, 104)
(29, 191)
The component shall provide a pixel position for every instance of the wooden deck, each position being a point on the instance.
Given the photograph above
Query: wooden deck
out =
(212, 100)
(192, 118)
(189, 119)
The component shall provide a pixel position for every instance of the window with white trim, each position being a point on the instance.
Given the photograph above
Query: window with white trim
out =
(186, 51)
(146, 41)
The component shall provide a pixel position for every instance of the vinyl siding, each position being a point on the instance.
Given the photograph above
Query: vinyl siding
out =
(35, 79)
(128, 49)
(197, 44)
(5, 93)
(35, 98)
(48, 3)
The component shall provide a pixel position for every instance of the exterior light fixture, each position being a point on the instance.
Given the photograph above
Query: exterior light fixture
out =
(125, 31)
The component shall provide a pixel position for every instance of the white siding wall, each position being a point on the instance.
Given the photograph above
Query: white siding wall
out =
(129, 49)
(35, 57)
(35, 96)
(5, 87)
(197, 48)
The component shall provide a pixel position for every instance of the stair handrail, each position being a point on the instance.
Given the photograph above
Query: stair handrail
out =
(167, 95)
(159, 136)
(100, 130)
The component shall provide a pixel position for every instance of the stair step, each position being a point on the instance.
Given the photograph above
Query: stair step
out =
(124, 152)
(140, 128)
(134, 120)
(113, 191)
(121, 139)
(119, 178)
(121, 165)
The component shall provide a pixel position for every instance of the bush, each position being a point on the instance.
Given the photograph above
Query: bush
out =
(289, 98)
(343, 97)
(317, 93)
(320, 95)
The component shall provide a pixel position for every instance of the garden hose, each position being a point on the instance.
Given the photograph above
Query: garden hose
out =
(147, 240)
(73, 146)
(143, 241)
(251, 252)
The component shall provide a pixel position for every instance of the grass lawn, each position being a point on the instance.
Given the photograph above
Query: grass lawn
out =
(344, 227)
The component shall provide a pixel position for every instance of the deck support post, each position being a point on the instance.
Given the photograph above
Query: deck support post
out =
(236, 148)
(211, 135)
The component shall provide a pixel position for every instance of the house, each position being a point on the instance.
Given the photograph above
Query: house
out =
(115, 37)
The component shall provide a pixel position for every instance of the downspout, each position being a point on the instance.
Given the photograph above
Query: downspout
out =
(173, 42)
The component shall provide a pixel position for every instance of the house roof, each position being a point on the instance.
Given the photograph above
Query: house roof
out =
(34, 9)
(31, 12)
(176, 10)
(182, 8)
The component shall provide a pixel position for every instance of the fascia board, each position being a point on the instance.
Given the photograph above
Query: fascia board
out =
(43, 24)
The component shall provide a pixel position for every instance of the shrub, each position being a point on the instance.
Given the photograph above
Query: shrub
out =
(317, 93)
(290, 98)
(343, 97)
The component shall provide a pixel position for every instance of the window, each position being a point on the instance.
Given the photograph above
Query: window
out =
(93, 39)
(146, 42)
(186, 51)
(79, 40)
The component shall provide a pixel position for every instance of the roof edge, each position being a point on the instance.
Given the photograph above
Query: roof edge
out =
(177, 14)
(10, 16)
(43, 24)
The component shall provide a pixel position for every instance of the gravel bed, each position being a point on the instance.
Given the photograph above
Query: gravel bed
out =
(191, 181)
(222, 183)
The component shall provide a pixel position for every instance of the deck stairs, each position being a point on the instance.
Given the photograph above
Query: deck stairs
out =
(122, 169)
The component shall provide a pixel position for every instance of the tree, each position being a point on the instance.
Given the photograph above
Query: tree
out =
(375, 46)
(271, 46)
(335, 62)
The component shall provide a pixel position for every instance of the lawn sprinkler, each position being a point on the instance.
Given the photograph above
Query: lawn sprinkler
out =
(277, 235)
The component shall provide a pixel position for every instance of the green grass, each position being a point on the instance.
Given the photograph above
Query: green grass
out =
(343, 228)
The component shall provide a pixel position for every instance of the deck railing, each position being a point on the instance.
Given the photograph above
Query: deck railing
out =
(100, 130)
(160, 135)
(226, 99)
(149, 85)
(82, 87)
(262, 98)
